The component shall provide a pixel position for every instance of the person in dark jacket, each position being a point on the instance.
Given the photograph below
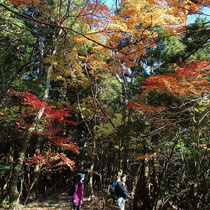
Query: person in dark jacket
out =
(121, 192)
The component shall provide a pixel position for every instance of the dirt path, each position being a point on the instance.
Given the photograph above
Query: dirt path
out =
(63, 202)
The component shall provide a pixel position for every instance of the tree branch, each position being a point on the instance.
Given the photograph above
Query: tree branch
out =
(56, 26)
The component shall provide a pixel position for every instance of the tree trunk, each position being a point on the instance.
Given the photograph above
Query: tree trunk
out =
(137, 203)
(155, 181)
(9, 160)
(17, 169)
(91, 170)
(93, 150)
(142, 199)
(2, 77)
(124, 143)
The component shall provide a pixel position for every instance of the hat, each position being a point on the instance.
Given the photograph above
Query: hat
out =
(80, 176)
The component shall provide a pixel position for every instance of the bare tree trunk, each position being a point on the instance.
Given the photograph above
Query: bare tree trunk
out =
(39, 138)
(17, 169)
(94, 93)
(137, 202)
(142, 199)
(155, 181)
(135, 181)
(2, 77)
(9, 160)
(92, 169)
(122, 141)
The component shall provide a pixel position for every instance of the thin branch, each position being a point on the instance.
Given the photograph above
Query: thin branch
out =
(98, 103)
(24, 66)
(83, 117)
(196, 49)
(56, 26)
(203, 117)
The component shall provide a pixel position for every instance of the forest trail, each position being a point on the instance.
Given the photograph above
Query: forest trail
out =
(56, 201)
(61, 201)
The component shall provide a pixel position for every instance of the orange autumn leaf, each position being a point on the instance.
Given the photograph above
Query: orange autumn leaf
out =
(141, 106)
(25, 2)
(188, 79)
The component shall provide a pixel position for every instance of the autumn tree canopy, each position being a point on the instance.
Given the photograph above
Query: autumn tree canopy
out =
(85, 87)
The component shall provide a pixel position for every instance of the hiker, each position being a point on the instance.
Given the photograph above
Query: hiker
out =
(78, 192)
(122, 194)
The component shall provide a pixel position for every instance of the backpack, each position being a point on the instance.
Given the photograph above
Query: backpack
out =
(113, 189)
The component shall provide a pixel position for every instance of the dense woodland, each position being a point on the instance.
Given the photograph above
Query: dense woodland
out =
(85, 87)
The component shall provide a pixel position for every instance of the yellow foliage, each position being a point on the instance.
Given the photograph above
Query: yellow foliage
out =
(94, 21)
(136, 20)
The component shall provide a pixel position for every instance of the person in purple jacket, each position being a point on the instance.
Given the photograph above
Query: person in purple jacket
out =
(78, 192)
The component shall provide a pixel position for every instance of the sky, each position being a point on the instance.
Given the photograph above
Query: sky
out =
(192, 18)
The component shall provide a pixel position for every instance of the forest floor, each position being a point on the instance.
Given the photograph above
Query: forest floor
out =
(62, 201)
